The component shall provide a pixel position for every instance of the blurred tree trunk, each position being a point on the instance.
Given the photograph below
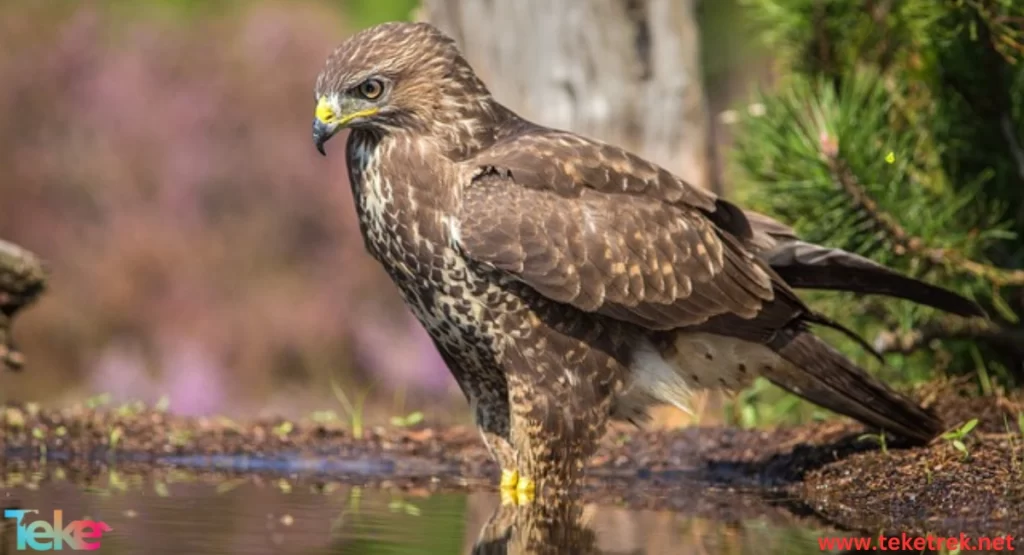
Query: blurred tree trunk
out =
(622, 71)
(22, 279)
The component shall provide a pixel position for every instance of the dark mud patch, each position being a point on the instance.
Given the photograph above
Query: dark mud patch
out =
(825, 471)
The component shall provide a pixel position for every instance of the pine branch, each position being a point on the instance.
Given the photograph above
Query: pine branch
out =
(1006, 124)
(923, 98)
(903, 242)
(1006, 36)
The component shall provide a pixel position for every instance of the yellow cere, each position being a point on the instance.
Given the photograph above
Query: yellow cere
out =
(324, 111)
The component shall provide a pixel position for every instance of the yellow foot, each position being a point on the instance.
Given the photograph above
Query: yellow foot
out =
(509, 481)
(525, 491)
(515, 490)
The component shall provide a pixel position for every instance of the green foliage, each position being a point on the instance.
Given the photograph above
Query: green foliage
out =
(171, 10)
(764, 404)
(878, 439)
(956, 437)
(283, 429)
(354, 412)
(408, 420)
(896, 132)
(115, 437)
(365, 13)
(97, 401)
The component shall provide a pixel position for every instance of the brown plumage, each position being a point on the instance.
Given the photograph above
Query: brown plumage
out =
(567, 281)
(22, 280)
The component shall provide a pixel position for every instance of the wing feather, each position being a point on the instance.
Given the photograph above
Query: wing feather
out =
(635, 258)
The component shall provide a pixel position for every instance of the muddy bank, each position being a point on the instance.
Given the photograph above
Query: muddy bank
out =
(824, 471)
(832, 472)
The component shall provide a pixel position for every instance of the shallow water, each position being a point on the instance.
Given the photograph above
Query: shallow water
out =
(175, 511)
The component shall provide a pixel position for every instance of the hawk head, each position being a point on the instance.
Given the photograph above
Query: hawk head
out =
(393, 76)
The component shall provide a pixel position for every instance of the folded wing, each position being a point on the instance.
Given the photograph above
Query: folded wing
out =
(634, 258)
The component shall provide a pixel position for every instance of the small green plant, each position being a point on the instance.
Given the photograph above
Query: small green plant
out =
(128, 410)
(408, 420)
(14, 418)
(324, 417)
(283, 429)
(115, 436)
(354, 412)
(40, 435)
(956, 437)
(878, 438)
(179, 438)
(97, 401)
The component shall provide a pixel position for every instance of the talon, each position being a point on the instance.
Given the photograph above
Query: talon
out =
(525, 491)
(508, 498)
(509, 479)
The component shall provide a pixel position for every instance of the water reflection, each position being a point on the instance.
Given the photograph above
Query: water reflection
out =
(172, 511)
(540, 528)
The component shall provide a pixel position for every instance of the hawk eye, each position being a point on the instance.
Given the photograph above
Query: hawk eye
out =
(371, 89)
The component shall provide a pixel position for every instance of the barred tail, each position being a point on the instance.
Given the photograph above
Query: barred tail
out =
(822, 375)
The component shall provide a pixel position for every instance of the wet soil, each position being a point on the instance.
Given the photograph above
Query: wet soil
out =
(825, 471)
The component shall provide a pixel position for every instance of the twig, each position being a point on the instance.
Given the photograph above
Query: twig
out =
(903, 242)
(949, 328)
(1006, 41)
(1011, 138)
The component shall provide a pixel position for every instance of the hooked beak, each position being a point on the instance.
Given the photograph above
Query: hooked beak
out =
(322, 132)
(328, 121)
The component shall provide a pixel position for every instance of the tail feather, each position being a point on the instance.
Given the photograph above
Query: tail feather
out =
(822, 375)
(821, 319)
(804, 265)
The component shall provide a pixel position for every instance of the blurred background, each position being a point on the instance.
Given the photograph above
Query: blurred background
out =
(156, 155)
(157, 158)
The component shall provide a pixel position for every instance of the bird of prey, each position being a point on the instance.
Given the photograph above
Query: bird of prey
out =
(22, 280)
(568, 282)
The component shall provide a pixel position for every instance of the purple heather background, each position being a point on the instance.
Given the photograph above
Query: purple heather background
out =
(157, 156)
(160, 162)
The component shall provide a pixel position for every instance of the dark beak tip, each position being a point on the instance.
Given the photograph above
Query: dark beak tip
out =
(321, 134)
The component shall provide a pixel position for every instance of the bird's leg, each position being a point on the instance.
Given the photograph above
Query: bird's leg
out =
(488, 401)
(502, 452)
(492, 417)
(553, 437)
